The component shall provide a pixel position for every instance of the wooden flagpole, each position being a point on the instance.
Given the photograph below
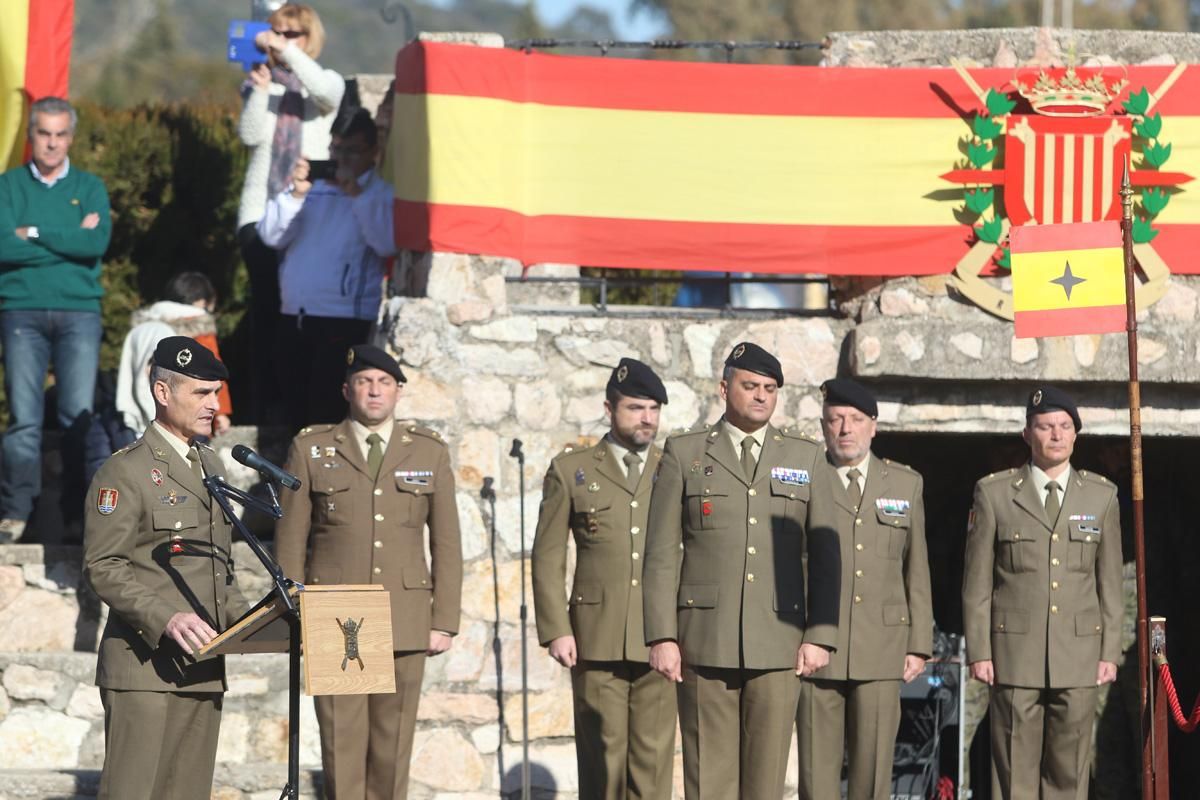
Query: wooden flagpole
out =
(1149, 745)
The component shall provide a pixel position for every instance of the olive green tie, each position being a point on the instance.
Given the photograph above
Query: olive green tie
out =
(194, 462)
(748, 457)
(853, 489)
(374, 454)
(633, 470)
(1052, 502)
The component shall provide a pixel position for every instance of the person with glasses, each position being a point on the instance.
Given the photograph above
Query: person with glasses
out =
(335, 235)
(288, 106)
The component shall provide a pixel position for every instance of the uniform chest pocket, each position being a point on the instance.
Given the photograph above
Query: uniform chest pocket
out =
(891, 534)
(590, 518)
(171, 520)
(412, 498)
(787, 498)
(1085, 543)
(331, 499)
(707, 504)
(1017, 550)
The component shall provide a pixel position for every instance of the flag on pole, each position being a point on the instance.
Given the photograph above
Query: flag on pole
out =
(1068, 279)
(35, 61)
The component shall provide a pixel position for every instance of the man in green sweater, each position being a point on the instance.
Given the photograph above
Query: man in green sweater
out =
(54, 228)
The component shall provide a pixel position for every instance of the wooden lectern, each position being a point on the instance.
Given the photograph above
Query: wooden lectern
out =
(346, 636)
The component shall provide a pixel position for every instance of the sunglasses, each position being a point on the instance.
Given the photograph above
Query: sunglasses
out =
(292, 34)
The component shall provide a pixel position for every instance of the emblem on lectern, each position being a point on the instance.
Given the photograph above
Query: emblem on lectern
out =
(350, 630)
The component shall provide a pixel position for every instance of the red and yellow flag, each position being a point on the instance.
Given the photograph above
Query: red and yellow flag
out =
(35, 62)
(1068, 279)
(673, 165)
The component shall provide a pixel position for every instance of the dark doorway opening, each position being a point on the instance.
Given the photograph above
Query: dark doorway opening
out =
(951, 463)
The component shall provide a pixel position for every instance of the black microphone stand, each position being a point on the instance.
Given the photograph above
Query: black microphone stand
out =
(516, 453)
(223, 492)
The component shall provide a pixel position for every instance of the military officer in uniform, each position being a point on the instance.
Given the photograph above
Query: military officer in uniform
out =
(735, 511)
(157, 550)
(885, 631)
(624, 711)
(1042, 606)
(371, 487)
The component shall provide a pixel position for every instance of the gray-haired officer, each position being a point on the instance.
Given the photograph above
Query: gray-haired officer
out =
(156, 549)
(1042, 605)
(600, 495)
(736, 509)
(885, 631)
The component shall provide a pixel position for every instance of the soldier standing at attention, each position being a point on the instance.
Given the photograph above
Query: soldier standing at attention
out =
(156, 549)
(370, 487)
(624, 711)
(1042, 606)
(885, 632)
(735, 511)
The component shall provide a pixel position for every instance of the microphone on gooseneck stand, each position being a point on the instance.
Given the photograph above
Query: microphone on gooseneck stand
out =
(244, 455)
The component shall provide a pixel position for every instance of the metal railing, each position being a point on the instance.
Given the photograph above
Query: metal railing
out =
(814, 303)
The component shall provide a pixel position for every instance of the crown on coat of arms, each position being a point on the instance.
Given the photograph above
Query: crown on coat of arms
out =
(1065, 92)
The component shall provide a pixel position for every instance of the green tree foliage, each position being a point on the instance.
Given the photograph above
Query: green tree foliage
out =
(174, 175)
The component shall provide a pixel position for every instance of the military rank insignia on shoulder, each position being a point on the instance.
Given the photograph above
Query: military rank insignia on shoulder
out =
(309, 430)
(420, 430)
(1092, 476)
(899, 466)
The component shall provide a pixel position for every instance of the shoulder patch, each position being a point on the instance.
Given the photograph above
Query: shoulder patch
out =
(428, 433)
(1092, 476)
(899, 466)
(309, 430)
(129, 448)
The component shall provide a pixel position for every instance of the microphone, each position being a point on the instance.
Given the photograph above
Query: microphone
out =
(244, 455)
(210, 467)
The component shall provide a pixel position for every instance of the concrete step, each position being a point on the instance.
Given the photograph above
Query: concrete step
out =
(240, 782)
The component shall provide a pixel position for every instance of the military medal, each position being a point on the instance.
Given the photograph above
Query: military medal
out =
(156, 476)
(593, 487)
(314, 452)
(176, 544)
(580, 477)
(791, 477)
(330, 451)
(695, 466)
(329, 507)
(706, 507)
(892, 508)
(708, 471)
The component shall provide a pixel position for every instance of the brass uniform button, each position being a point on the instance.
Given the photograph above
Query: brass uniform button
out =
(691, 601)
(378, 570)
(378, 492)
(752, 550)
(754, 520)
(750, 577)
(1054, 537)
(1053, 584)
(635, 530)
(379, 517)
(1054, 562)
(858, 573)
(634, 582)
(378, 544)
(858, 598)
(753, 492)
(1016, 535)
(858, 547)
(1053, 609)
(633, 504)
(635, 556)
(858, 522)
(1000, 626)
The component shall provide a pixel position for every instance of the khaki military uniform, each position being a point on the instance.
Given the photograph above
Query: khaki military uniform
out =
(1042, 601)
(624, 711)
(885, 614)
(156, 545)
(723, 577)
(344, 526)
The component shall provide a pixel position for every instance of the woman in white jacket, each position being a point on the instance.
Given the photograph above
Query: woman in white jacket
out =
(288, 107)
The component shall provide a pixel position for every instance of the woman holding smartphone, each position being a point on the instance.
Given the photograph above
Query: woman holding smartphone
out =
(289, 104)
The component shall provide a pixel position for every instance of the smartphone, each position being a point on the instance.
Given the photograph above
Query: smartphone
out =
(241, 47)
(322, 170)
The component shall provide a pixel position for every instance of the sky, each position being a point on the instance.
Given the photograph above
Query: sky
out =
(637, 27)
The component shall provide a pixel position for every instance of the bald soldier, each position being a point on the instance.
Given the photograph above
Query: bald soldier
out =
(735, 510)
(371, 486)
(156, 549)
(600, 496)
(885, 631)
(1042, 606)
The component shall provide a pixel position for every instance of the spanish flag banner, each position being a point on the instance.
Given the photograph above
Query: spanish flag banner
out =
(35, 62)
(762, 168)
(1068, 279)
